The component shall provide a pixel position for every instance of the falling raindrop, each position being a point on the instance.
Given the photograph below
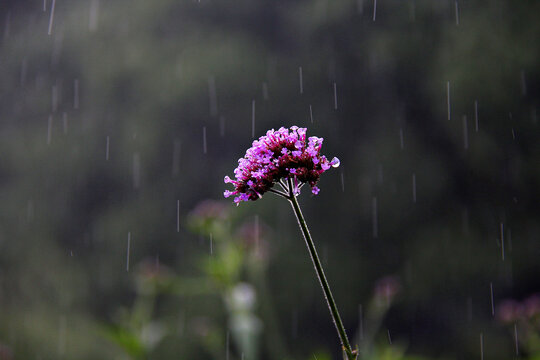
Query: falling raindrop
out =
(335, 96)
(465, 133)
(465, 220)
(177, 216)
(511, 117)
(414, 187)
(389, 338)
(49, 129)
(107, 150)
(311, 113)
(24, 69)
(448, 97)
(30, 211)
(300, 80)
(335, 162)
(516, 342)
(127, 251)
(457, 13)
(360, 322)
(253, 119)
(204, 139)
(342, 180)
(211, 245)
(374, 9)
(491, 297)
(44, 5)
(502, 240)
(93, 16)
(481, 346)
(360, 6)
(181, 323)
(7, 27)
(65, 122)
(257, 232)
(401, 143)
(294, 324)
(476, 114)
(523, 83)
(54, 98)
(412, 11)
(212, 96)
(374, 217)
(76, 94)
(62, 335)
(265, 90)
(469, 309)
(51, 17)
(136, 171)
(509, 237)
(176, 157)
(222, 126)
(227, 346)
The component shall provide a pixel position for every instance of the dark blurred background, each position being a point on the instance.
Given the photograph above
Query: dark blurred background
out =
(118, 118)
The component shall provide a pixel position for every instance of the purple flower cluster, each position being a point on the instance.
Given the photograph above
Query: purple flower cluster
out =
(280, 154)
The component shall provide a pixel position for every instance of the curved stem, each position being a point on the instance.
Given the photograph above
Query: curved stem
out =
(351, 354)
(280, 193)
(283, 185)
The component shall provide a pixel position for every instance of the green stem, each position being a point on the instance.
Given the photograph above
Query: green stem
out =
(351, 354)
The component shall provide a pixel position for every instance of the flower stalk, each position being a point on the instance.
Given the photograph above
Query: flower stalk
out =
(288, 158)
(346, 346)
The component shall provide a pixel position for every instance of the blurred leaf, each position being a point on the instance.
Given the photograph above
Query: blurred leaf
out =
(127, 340)
(225, 266)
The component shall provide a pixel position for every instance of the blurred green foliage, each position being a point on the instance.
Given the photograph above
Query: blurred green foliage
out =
(101, 135)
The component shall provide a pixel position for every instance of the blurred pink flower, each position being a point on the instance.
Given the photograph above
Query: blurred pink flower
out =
(5, 352)
(387, 288)
(509, 311)
(532, 306)
(253, 235)
(210, 209)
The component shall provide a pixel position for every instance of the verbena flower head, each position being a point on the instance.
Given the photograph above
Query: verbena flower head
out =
(280, 154)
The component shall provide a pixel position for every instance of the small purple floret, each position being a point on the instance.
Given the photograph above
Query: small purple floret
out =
(280, 154)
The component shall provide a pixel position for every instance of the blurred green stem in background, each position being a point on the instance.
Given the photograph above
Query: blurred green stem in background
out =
(351, 354)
